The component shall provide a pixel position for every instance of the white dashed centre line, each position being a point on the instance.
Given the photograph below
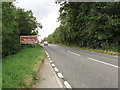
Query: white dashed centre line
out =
(96, 60)
(103, 62)
(74, 53)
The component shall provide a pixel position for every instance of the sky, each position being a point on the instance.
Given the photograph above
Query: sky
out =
(45, 11)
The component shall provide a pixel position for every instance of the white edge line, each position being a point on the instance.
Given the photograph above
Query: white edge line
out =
(53, 65)
(56, 69)
(47, 53)
(60, 75)
(67, 84)
(103, 62)
(56, 77)
(57, 80)
(49, 58)
(50, 61)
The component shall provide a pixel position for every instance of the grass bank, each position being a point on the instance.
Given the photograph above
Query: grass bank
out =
(19, 70)
(95, 50)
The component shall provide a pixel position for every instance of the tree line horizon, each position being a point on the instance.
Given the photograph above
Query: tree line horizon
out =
(94, 25)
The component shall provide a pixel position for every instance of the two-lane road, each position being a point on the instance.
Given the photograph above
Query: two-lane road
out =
(84, 69)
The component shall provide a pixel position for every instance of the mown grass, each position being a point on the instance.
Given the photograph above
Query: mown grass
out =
(95, 50)
(19, 69)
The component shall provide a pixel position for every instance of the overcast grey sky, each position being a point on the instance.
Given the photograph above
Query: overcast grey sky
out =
(46, 12)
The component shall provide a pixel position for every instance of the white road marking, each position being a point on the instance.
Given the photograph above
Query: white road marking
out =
(74, 53)
(96, 60)
(60, 75)
(50, 61)
(56, 69)
(67, 84)
(103, 62)
(57, 79)
(53, 65)
(49, 58)
(47, 54)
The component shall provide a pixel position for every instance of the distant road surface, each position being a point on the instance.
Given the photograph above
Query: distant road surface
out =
(84, 69)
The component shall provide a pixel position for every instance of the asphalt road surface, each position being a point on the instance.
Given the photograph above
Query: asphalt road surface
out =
(84, 69)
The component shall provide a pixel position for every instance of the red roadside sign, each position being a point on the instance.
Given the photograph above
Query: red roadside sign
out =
(42, 42)
(28, 39)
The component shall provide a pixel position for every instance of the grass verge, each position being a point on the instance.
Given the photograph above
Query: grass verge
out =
(20, 70)
(95, 50)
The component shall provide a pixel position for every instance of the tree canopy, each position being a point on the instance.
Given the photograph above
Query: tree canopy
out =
(92, 25)
(16, 22)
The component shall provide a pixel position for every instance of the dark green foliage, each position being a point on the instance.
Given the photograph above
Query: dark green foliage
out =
(26, 22)
(91, 25)
(10, 33)
(16, 22)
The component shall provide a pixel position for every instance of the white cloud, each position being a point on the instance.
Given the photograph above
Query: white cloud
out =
(46, 12)
(50, 26)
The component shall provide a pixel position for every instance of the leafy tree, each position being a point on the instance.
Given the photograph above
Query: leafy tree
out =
(10, 38)
(91, 25)
(26, 22)
(16, 22)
